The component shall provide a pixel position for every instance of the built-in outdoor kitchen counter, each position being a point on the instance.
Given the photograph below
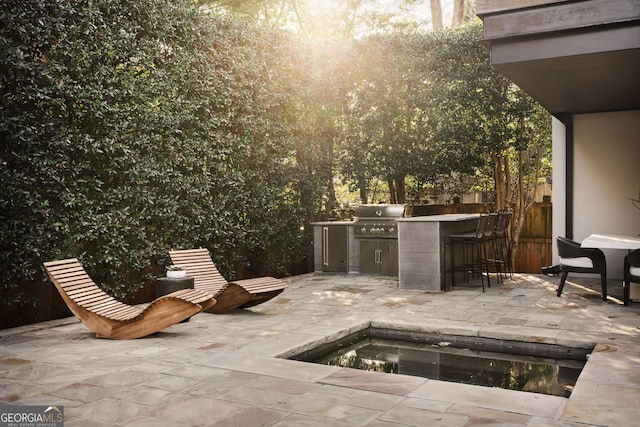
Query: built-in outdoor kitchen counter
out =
(387, 243)
(367, 245)
(423, 258)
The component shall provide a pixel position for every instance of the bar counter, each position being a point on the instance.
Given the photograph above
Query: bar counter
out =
(423, 258)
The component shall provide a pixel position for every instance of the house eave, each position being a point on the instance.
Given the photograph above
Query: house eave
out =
(571, 56)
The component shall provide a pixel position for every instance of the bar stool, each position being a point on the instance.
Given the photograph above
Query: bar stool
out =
(487, 243)
(502, 246)
(474, 250)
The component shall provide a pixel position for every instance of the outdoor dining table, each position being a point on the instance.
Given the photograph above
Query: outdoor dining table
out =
(615, 241)
(612, 241)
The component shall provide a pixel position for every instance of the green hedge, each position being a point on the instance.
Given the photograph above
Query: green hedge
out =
(133, 126)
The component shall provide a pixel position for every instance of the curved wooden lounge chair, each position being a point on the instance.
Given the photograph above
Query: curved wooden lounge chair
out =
(237, 294)
(110, 318)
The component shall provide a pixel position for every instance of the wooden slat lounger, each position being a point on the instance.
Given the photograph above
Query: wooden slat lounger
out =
(237, 294)
(110, 318)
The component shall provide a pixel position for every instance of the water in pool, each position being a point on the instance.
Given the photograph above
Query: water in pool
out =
(441, 361)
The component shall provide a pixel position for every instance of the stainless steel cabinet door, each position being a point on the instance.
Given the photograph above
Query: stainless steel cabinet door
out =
(368, 256)
(388, 257)
(335, 249)
(379, 256)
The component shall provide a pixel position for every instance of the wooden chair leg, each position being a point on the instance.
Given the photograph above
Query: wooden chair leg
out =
(563, 278)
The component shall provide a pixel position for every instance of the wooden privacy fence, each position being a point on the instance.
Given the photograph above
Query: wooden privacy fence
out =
(535, 243)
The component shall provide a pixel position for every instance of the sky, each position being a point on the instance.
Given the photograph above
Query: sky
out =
(419, 9)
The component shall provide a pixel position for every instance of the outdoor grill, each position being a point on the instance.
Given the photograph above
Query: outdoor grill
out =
(377, 221)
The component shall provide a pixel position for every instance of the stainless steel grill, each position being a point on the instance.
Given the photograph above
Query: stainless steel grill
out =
(377, 221)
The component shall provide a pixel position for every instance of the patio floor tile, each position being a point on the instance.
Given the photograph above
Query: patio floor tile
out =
(222, 370)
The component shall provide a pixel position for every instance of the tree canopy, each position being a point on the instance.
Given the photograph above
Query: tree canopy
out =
(135, 126)
(131, 127)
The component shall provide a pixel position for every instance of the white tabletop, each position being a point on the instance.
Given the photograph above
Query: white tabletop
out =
(612, 241)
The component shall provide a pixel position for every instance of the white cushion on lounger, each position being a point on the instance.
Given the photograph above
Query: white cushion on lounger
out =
(635, 271)
(581, 262)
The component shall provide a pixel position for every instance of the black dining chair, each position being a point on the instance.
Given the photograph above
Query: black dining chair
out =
(631, 273)
(576, 259)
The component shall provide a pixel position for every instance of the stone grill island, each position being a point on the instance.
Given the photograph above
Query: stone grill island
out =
(421, 260)
(423, 257)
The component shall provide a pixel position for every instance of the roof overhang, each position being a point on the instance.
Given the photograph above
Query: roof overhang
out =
(571, 56)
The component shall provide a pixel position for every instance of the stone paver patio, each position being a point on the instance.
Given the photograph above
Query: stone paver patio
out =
(221, 370)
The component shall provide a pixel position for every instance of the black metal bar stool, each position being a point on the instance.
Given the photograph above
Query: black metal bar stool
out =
(503, 240)
(471, 245)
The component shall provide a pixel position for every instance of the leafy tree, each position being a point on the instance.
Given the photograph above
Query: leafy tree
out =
(130, 127)
(430, 106)
(261, 201)
(522, 167)
(485, 120)
(322, 77)
(337, 19)
(436, 14)
(463, 11)
(414, 114)
(380, 123)
(133, 126)
(464, 105)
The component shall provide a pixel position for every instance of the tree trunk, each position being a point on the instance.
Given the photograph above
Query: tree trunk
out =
(332, 200)
(458, 12)
(436, 14)
(499, 182)
(526, 193)
(519, 210)
(363, 192)
(392, 190)
(401, 190)
(463, 11)
(470, 10)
